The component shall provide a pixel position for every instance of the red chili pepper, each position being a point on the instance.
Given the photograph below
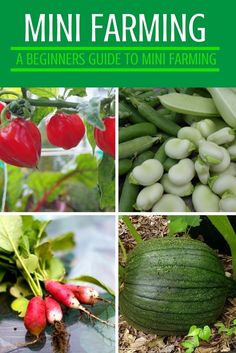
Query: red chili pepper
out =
(2, 106)
(105, 140)
(20, 143)
(65, 130)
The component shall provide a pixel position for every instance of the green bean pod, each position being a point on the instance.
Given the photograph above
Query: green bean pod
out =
(154, 117)
(169, 163)
(136, 146)
(128, 196)
(137, 130)
(125, 165)
(192, 105)
(133, 115)
(142, 158)
(129, 191)
(225, 101)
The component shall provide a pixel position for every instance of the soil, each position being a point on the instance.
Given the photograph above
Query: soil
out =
(134, 341)
(60, 338)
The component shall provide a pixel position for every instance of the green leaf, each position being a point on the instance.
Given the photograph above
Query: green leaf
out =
(90, 111)
(24, 246)
(97, 282)
(14, 187)
(106, 182)
(190, 350)
(81, 92)
(90, 135)
(133, 231)
(20, 288)
(2, 274)
(55, 269)
(10, 232)
(205, 333)
(41, 182)
(63, 242)
(31, 263)
(44, 253)
(34, 230)
(20, 305)
(225, 228)
(124, 254)
(40, 113)
(179, 224)
(188, 344)
(45, 92)
(121, 275)
(193, 331)
(87, 169)
(3, 287)
(6, 258)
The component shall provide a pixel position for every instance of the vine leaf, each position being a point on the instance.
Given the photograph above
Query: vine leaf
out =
(179, 224)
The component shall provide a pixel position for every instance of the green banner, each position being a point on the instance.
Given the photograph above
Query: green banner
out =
(110, 43)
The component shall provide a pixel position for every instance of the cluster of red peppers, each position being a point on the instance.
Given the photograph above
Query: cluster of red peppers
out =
(20, 139)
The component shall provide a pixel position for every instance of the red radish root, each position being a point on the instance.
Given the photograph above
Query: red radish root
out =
(60, 336)
(35, 317)
(53, 310)
(62, 294)
(85, 295)
(65, 296)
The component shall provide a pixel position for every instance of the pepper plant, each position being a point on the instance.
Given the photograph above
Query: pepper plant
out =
(61, 118)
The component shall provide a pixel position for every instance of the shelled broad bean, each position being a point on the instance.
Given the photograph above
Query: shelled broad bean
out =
(187, 138)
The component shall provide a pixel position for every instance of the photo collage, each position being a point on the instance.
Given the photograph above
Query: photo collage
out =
(118, 220)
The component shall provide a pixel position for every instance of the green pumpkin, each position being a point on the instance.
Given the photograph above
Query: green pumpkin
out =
(171, 284)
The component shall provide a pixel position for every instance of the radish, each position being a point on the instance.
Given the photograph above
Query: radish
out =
(85, 295)
(35, 317)
(53, 310)
(63, 294)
